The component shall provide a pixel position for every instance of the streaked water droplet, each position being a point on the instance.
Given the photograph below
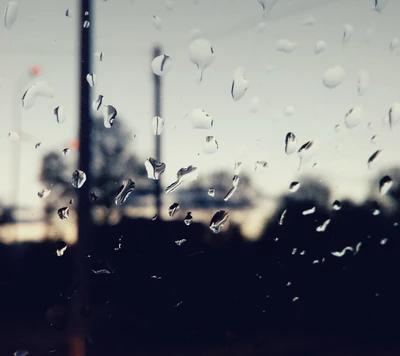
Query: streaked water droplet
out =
(320, 46)
(309, 21)
(333, 76)
(97, 103)
(363, 81)
(13, 136)
(78, 178)
(394, 114)
(201, 53)
(348, 31)
(91, 79)
(323, 226)
(354, 117)
(126, 188)
(394, 44)
(86, 24)
(239, 84)
(218, 220)
(255, 104)
(187, 174)
(101, 271)
(285, 46)
(294, 187)
(188, 219)
(260, 167)
(282, 218)
(63, 213)
(59, 114)
(336, 205)
(373, 157)
(315, 262)
(60, 251)
(290, 111)
(154, 168)
(109, 115)
(211, 192)
(99, 56)
(157, 125)
(44, 193)
(342, 252)
(66, 151)
(210, 145)
(157, 22)
(180, 242)
(201, 120)
(37, 89)
(161, 65)
(385, 184)
(290, 143)
(173, 209)
(10, 14)
(374, 139)
(309, 211)
(38, 145)
(235, 182)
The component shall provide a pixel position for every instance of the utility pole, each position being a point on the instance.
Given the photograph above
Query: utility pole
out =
(77, 323)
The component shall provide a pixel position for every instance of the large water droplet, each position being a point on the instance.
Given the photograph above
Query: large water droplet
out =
(394, 44)
(183, 175)
(44, 193)
(35, 90)
(97, 103)
(260, 167)
(173, 209)
(63, 213)
(333, 76)
(211, 192)
(218, 220)
(157, 22)
(290, 143)
(319, 47)
(239, 85)
(60, 114)
(373, 157)
(126, 188)
(353, 117)
(10, 14)
(309, 21)
(348, 31)
(91, 79)
(201, 120)
(161, 65)
(385, 184)
(294, 187)
(202, 54)
(109, 115)
(210, 145)
(336, 205)
(78, 178)
(188, 219)
(323, 226)
(285, 46)
(154, 168)
(363, 81)
(394, 114)
(157, 125)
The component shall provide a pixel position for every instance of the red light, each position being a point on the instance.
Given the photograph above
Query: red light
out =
(74, 145)
(36, 70)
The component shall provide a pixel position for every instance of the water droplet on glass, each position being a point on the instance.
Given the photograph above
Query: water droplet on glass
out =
(333, 76)
(235, 182)
(285, 46)
(188, 218)
(289, 111)
(78, 178)
(99, 56)
(309, 21)
(239, 84)
(267, 6)
(10, 14)
(109, 115)
(218, 221)
(290, 143)
(35, 90)
(86, 13)
(202, 54)
(126, 188)
(385, 184)
(173, 209)
(157, 22)
(342, 252)
(97, 103)
(394, 43)
(157, 125)
(63, 213)
(13, 136)
(91, 79)
(348, 31)
(255, 104)
(201, 120)
(21, 353)
(66, 151)
(315, 262)
(86, 24)
(294, 251)
(394, 114)
(68, 13)
(282, 218)
(374, 139)
(101, 271)
(44, 193)
(183, 175)
(294, 187)
(60, 114)
(93, 197)
(60, 251)
(373, 157)
(384, 241)
(211, 192)
(320, 46)
(71, 201)
(323, 226)
(260, 167)
(302, 253)
(305, 153)
(161, 65)
(336, 205)
(309, 211)
(210, 145)
(354, 117)
(154, 168)
(379, 5)
(337, 128)
(363, 81)
(38, 145)
(295, 299)
(180, 242)
(154, 217)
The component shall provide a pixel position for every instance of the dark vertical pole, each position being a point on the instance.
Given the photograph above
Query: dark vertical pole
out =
(77, 325)
(157, 112)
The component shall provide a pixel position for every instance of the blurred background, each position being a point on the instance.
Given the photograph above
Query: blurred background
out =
(282, 113)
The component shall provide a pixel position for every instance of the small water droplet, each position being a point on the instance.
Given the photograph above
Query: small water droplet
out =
(333, 76)
(309, 211)
(10, 14)
(373, 157)
(91, 79)
(282, 218)
(37, 89)
(60, 115)
(285, 46)
(323, 226)
(109, 115)
(173, 209)
(260, 167)
(302, 253)
(295, 299)
(210, 145)
(218, 220)
(157, 22)
(348, 31)
(294, 187)
(99, 56)
(337, 128)
(255, 104)
(320, 46)
(384, 241)
(394, 44)
(211, 192)
(305, 153)
(202, 54)
(188, 218)
(169, 5)
(385, 184)
(97, 103)
(290, 143)
(154, 168)
(126, 188)
(201, 119)
(86, 24)
(93, 197)
(394, 114)
(157, 125)
(13, 136)
(309, 21)
(336, 205)
(235, 182)
(374, 139)
(44, 193)
(63, 213)
(239, 84)
(354, 117)
(71, 201)
(363, 81)
(161, 65)
(68, 13)
(66, 151)
(294, 251)
(60, 251)
(180, 242)
(267, 6)
(187, 174)
(38, 145)
(78, 178)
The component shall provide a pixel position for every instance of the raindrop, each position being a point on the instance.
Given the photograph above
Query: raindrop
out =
(180, 242)
(373, 157)
(68, 13)
(363, 81)
(210, 145)
(336, 205)
(99, 56)
(154, 217)
(305, 152)
(295, 299)
(394, 114)
(21, 353)
(44, 193)
(309, 21)
(337, 128)
(255, 104)
(202, 54)
(218, 220)
(239, 85)
(294, 187)
(91, 79)
(235, 182)
(97, 103)
(161, 65)
(319, 47)
(309, 211)
(60, 114)
(380, 5)
(157, 125)
(302, 253)
(154, 168)
(63, 213)
(385, 184)
(173, 209)
(183, 175)
(353, 117)
(343, 252)
(285, 46)
(374, 139)
(290, 143)
(60, 251)
(294, 251)
(66, 151)
(211, 192)
(267, 6)
(333, 76)
(13, 136)
(348, 31)
(78, 178)
(237, 168)
(282, 218)
(290, 111)
(323, 226)
(109, 115)
(35, 90)
(86, 13)
(157, 22)
(384, 241)
(38, 145)
(10, 14)
(201, 120)
(93, 197)
(188, 218)
(126, 188)
(394, 43)
(260, 167)
(71, 201)
(315, 262)
(86, 24)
